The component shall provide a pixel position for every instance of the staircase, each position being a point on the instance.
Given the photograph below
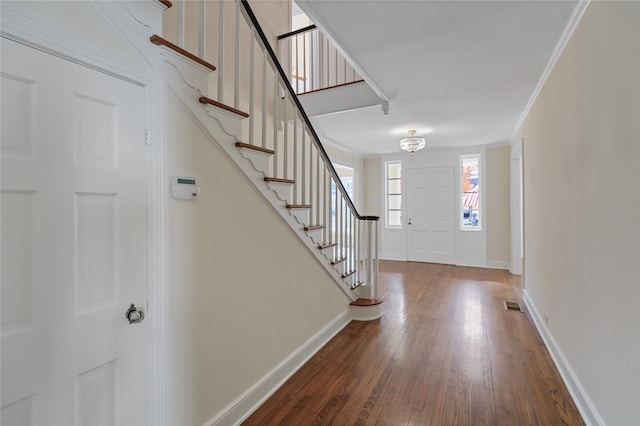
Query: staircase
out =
(247, 105)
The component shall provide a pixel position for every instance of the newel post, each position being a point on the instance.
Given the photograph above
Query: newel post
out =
(370, 288)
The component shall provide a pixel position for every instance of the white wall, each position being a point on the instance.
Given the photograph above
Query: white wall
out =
(244, 293)
(517, 255)
(582, 198)
(497, 196)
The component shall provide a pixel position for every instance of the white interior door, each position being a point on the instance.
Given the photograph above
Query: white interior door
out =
(74, 243)
(430, 215)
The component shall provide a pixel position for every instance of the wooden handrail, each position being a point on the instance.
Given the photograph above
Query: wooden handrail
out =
(301, 30)
(314, 136)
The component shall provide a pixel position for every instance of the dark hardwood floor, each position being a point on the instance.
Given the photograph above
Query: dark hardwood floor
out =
(444, 353)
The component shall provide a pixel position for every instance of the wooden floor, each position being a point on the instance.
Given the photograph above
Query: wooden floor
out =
(444, 353)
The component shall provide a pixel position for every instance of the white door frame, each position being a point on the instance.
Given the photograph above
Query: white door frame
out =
(40, 36)
(516, 197)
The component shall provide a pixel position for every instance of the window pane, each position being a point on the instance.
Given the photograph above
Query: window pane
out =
(394, 218)
(395, 202)
(394, 186)
(394, 170)
(471, 218)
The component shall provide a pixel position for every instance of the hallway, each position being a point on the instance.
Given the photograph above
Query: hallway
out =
(445, 352)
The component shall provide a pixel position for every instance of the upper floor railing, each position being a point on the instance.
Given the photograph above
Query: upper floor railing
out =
(314, 61)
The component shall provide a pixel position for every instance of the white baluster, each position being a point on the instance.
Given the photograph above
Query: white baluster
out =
(327, 206)
(221, 30)
(202, 35)
(285, 141)
(295, 158)
(304, 60)
(181, 17)
(311, 73)
(310, 179)
(276, 100)
(336, 61)
(264, 100)
(297, 61)
(318, 188)
(252, 84)
(344, 65)
(304, 161)
(236, 65)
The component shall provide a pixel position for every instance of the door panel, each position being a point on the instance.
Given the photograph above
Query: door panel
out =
(430, 213)
(74, 243)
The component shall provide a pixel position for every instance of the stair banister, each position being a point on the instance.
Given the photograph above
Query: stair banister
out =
(324, 60)
(307, 122)
(349, 236)
(371, 233)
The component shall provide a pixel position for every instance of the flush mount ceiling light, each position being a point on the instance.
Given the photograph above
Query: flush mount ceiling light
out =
(412, 143)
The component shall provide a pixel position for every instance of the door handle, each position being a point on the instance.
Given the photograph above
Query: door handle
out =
(135, 315)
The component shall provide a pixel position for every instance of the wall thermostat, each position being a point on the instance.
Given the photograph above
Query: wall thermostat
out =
(184, 188)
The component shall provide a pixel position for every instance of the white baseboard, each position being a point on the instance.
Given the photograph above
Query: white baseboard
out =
(498, 264)
(588, 411)
(243, 406)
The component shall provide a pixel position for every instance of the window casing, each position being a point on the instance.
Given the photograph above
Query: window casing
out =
(470, 195)
(393, 194)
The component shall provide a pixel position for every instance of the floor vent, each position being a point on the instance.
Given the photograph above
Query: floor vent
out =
(512, 306)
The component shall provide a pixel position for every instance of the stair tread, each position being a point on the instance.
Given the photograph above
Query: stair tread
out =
(313, 227)
(339, 260)
(167, 3)
(279, 180)
(324, 246)
(368, 302)
(356, 285)
(298, 206)
(208, 101)
(255, 148)
(348, 274)
(159, 41)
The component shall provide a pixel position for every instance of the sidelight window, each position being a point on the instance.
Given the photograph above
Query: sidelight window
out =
(470, 218)
(393, 190)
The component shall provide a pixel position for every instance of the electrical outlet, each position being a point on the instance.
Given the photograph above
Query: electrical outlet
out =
(546, 318)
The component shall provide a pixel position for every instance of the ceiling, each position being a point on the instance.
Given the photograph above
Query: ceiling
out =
(459, 72)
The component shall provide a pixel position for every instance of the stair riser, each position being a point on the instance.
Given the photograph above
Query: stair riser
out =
(259, 160)
(282, 190)
(192, 74)
(301, 215)
(316, 235)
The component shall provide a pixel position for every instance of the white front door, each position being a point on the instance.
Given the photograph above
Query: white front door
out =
(74, 244)
(430, 214)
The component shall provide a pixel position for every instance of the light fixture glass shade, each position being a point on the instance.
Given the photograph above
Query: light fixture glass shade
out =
(412, 143)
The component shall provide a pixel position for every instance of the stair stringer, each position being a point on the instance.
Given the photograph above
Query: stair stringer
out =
(224, 130)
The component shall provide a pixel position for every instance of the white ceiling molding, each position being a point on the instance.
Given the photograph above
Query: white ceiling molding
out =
(557, 52)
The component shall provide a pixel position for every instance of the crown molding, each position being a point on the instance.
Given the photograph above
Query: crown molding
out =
(569, 29)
